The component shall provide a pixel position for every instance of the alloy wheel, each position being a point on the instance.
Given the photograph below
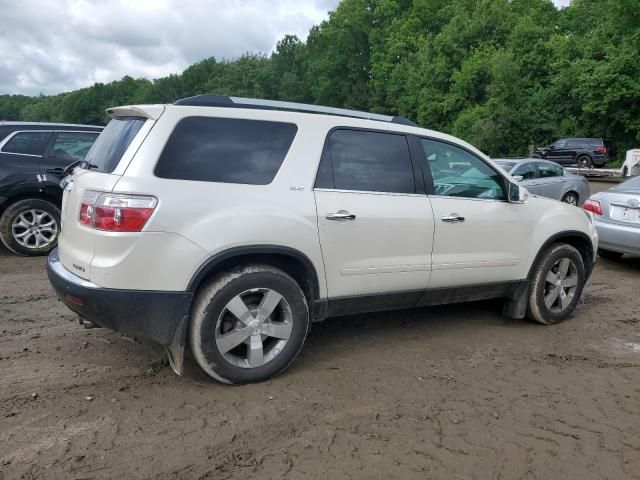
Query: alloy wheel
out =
(560, 285)
(34, 229)
(254, 327)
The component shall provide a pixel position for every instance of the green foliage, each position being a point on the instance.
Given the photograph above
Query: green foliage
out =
(501, 74)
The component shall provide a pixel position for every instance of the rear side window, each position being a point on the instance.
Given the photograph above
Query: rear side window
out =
(226, 150)
(114, 140)
(367, 161)
(27, 143)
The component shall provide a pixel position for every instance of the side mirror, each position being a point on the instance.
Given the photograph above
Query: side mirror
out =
(518, 178)
(515, 194)
(551, 147)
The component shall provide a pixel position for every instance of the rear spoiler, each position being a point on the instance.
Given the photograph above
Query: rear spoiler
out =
(151, 112)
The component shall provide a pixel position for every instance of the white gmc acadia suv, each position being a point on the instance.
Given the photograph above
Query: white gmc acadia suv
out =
(232, 223)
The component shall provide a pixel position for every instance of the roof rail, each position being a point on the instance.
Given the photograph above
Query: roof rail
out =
(239, 102)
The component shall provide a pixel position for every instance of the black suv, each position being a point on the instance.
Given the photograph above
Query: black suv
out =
(585, 152)
(33, 157)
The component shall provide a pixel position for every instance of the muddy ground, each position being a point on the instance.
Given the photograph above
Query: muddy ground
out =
(452, 392)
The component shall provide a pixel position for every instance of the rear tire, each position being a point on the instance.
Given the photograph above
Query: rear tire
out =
(571, 198)
(584, 161)
(609, 254)
(557, 284)
(625, 171)
(537, 155)
(30, 227)
(248, 325)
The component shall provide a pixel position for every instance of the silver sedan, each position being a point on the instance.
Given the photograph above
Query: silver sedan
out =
(547, 179)
(616, 214)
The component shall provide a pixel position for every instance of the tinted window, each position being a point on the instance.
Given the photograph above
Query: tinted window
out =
(458, 173)
(526, 170)
(111, 144)
(226, 150)
(548, 170)
(574, 143)
(72, 146)
(559, 144)
(30, 143)
(368, 161)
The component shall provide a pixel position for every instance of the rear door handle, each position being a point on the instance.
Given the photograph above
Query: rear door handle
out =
(454, 217)
(340, 215)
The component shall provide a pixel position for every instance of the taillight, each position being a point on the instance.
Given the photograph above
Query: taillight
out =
(593, 206)
(602, 150)
(115, 212)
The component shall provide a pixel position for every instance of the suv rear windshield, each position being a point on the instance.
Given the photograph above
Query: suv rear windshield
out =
(226, 150)
(114, 140)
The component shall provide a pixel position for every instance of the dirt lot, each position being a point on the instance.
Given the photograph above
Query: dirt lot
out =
(450, 392)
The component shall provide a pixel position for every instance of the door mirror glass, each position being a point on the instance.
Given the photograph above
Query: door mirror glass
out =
(515, 193)
(518, 178)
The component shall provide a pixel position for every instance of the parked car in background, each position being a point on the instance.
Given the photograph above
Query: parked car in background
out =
(631, 166)
(585, 152)
(230, 224)
(33, 157)
(617, 218)
(548, 179)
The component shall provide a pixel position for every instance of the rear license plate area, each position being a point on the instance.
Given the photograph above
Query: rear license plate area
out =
(625, 214)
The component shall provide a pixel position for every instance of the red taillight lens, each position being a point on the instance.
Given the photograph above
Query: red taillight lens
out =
(593, 206)
(602, 150)
(115, 212)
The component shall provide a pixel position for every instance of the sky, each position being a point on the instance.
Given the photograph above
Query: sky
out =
(54, 46)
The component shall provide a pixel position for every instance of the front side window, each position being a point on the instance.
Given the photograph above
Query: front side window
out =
(527, 171)
(27, 143)
(559, 144)
(367, 161)
(226, 150)
(458, 173)
(548, 170)
(72, 146)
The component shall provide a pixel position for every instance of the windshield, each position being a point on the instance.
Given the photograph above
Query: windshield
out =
(106, 152)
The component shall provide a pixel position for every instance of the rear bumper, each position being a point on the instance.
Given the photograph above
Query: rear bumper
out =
(150, 314)
(618, 238)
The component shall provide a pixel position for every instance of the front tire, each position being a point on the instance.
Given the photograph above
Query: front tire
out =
(248, 325)
(556, 285)
(30, 227)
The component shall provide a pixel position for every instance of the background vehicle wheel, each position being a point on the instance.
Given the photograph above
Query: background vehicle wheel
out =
(584, 161)
(571, 198)
(625, 171)
(609, 255)
(30, 227)
(556, 285)
(537, 155)
(248, 325)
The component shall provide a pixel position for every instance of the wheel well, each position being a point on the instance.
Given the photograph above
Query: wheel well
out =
(572, 192)
(577, 240)
(26, 196)
(294, 263)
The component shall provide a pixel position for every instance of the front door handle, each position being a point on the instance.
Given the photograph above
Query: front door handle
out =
(340, 215)
(454, 217)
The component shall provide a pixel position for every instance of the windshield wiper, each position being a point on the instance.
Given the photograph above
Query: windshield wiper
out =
(88, 165)
(78, 163)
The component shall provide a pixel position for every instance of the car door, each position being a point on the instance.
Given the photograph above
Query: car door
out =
(20, 156)
(557, 151)
(529, 173)
(480, 238)
(375, 224)
(552, 180)
(64, 149)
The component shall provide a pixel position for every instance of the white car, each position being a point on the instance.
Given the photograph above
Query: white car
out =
(234, 223)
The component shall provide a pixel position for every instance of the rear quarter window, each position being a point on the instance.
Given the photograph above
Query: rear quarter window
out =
(226, 150)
